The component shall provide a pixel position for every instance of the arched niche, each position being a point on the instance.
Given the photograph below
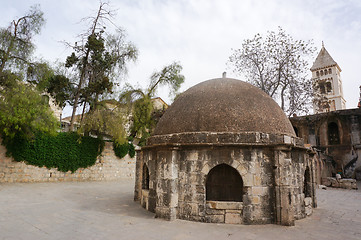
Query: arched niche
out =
(224, 183)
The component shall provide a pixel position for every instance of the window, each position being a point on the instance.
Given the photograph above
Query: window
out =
(145, 177)
(329, 87)
(322, 88)
(333, 134)
(307, 183)
(224, 184)
(329, 71)
(317, 73)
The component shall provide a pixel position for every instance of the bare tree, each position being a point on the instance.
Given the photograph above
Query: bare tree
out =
(277, 64)
(16, 44)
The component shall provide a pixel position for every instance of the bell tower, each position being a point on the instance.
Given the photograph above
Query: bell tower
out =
(327, 83)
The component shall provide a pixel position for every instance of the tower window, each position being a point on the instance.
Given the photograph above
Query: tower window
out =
(330, 71)
(224, 184)
(322, 88)
(321, 72)
(328, 87)
(317, 73)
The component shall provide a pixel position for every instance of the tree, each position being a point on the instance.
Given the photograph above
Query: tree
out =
(16, 44)
(22, 108)
(140, 101)
(24, 112)
(98, 60)
(277, 64)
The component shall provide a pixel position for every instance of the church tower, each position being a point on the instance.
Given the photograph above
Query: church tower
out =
(327, 83)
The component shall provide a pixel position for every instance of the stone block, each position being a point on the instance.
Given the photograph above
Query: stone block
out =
(232, 218)
(224, 205)
(248, 180)
(215, 218)
(308, 201)
(256, 200)
(210, 211)
(308, 210)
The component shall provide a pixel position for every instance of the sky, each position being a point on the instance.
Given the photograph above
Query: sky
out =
(200, 34)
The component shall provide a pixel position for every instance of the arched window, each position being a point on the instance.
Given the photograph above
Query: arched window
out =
(322, 88)
(333, 134)
(307, 183)
(317, 73)
(330, 71)
(321, 72)
(145, 177)
(329, 87)
(224, 184)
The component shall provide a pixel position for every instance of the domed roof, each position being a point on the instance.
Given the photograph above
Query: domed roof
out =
(224, 105)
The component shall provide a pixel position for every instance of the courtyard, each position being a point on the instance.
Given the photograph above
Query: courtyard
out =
(106, 210)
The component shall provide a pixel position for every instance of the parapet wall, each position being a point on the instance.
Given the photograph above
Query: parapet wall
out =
(107, 167)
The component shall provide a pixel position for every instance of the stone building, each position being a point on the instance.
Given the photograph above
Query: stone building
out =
(327, 82)
(224, 152)
(337, 137)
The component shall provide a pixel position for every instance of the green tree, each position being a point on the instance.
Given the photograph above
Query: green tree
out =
(24, 112)
(277, 64)
(16, 44)
(99, 60)
(140, 101)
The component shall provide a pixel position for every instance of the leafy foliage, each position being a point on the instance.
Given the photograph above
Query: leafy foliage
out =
(60, 88)
(278, 65)
(104, 120)
(64, 151)
(140, 101)
(121, 150)
(24, 112)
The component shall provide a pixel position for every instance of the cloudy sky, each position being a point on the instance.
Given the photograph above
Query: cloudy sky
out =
(201, 33)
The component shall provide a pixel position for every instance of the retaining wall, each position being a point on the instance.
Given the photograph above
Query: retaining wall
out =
(107, 167)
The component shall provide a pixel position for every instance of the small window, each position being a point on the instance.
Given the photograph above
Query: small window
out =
(224, 184)
(329, 71)
(321, 72)
(145, 177)
(317, 73)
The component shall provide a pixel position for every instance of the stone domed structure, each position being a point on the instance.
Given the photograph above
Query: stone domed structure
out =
(224, 105)
(225, 152)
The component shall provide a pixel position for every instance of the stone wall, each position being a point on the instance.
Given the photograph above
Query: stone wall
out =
(107, 167)
(273, 178)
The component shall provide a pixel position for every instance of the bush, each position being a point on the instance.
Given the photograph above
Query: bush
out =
(64, 151)
(121, 150)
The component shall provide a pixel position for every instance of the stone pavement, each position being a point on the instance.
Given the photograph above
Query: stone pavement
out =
(106, 210)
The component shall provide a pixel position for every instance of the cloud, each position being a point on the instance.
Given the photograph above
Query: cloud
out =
(200, 34)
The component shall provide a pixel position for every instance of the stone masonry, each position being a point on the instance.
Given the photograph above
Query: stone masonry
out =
(107, 167)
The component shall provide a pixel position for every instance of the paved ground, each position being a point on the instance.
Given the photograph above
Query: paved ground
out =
(105, 210)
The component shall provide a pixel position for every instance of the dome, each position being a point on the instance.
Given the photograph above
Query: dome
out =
(224, 105)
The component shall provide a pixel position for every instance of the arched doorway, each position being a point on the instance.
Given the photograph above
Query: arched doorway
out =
(224, 184)
(307, 183)
(145, 177)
